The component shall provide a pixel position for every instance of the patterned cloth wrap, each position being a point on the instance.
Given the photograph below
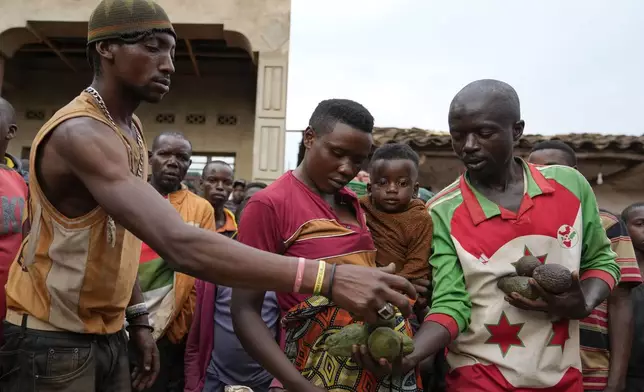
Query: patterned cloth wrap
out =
(307, 327)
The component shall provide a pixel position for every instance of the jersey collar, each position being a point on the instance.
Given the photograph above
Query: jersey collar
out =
(481, 208)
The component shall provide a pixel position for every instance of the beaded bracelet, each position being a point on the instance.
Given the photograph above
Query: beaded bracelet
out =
(134, 309)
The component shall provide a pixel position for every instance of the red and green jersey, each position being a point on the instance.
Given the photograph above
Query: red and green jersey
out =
(501, 347)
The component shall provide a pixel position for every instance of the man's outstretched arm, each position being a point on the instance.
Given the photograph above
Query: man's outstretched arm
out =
(98, 158)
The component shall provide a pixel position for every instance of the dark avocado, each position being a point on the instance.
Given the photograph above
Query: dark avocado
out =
(526, 265)
(554, 278)
(518, 284)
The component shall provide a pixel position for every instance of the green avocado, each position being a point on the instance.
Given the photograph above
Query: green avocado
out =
(518, 284)
(389, 344)
(340, 344)
(554, 278)
(525, 266)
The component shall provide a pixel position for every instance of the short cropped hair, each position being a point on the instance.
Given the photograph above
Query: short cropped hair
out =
(557, 145)
(629, 210)
(394, 151)
(332, 111)
(176, 134)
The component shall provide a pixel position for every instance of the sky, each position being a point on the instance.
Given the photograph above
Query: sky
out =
(576, 64)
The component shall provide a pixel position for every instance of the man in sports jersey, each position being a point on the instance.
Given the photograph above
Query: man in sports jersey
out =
(606, 334)
(501, 209)
(74, 282)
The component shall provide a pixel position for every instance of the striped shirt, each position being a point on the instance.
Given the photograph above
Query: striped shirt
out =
(594, 339)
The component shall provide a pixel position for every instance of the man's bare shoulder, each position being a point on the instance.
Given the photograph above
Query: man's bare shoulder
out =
(87, 137)
(88, 146)
(82, 128)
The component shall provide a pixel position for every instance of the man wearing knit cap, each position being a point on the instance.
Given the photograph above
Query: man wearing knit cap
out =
(74, 280)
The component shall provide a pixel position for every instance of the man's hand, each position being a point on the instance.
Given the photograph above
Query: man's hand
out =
(381, 367)
(364, 291)
(147, 356)
(422, 286)
(420, 306)
(570, 305)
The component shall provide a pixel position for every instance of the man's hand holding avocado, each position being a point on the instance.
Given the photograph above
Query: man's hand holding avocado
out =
(551, 288)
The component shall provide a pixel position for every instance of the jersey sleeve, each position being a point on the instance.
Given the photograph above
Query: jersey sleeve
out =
(259, 227)
(451, 306)
(597, 258)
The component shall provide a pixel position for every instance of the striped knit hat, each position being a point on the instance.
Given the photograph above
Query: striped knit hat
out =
(116, 18)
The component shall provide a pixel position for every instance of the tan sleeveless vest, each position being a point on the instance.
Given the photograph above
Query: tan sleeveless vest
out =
(75, 274)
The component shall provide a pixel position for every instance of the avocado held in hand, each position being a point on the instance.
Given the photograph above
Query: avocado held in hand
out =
(389, 344)
(340, 344)
(526, 265)
(518, 284)
(554, 278)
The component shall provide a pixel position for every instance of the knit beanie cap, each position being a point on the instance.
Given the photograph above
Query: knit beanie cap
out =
(115, 18)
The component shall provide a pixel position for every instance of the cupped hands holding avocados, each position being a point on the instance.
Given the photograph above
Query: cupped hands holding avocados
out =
(549, 288)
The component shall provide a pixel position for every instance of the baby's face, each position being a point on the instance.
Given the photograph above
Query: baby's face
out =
(393, 184)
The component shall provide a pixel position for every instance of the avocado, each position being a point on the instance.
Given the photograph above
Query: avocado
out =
(518, 284)
(389, 344)
(340, 344)
(554, 278)
(526, 265)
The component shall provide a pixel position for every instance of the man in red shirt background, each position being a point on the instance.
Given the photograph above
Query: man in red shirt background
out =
(13, 194)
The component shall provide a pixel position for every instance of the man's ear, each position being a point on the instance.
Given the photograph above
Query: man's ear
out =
(416, 187)
(517, 130)
(309, 137)
(104, 49)
(13, 129)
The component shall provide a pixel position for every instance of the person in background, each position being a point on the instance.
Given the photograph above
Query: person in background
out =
(606, 334)
(363, 176)
(237, 195)
(10, 128)
(359, 184)
(633, 216)
(214, 357)
(308, 212)
(170, 296)
(425, 194)
(498, 211)
(250, 190)
(217, 184)
(13, 195)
